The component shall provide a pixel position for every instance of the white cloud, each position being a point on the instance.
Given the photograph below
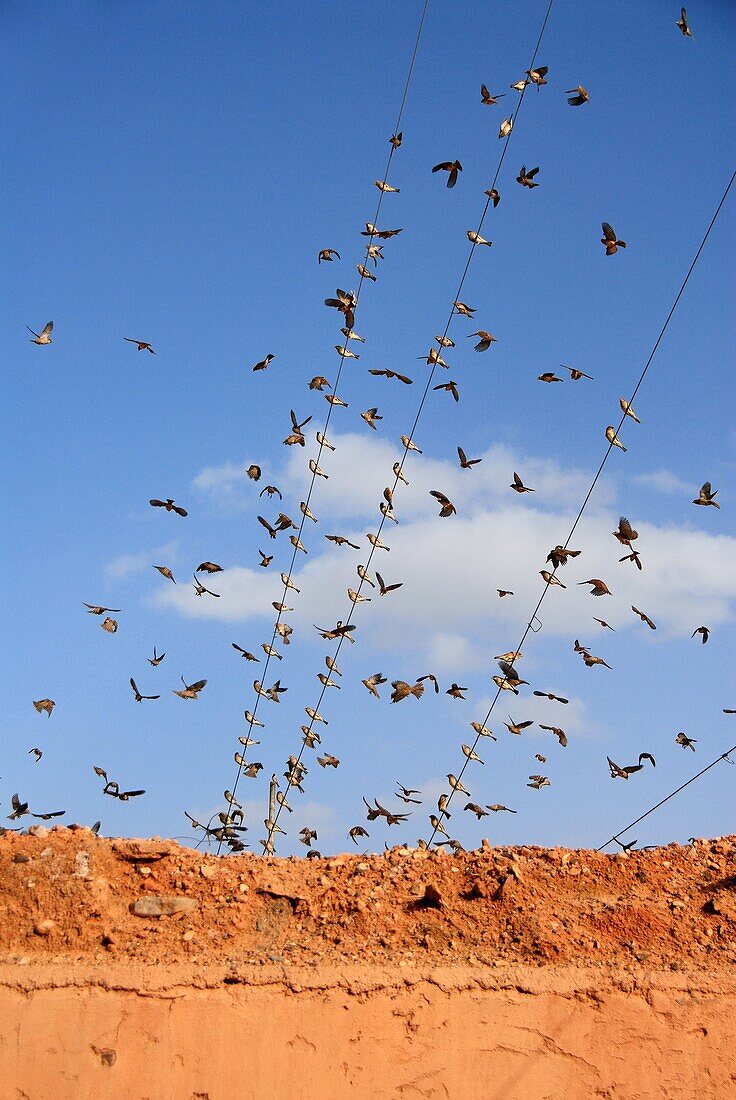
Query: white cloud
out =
(126, 565)
(448, 606)
(663, 481)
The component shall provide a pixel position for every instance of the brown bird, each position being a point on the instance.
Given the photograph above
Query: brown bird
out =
(355, 832)
(485, 339)
(706, 495)
(537, 75)
(372, 683)
(518, 485)
(402, 690)
(110, 625)
(271, 491)
(683, 25)
(386, 187)
(396, 139)
(38, 753)
(475, 238)
(549, 376)
(137, 694)
(599, 587)
(96, 609)
(452, 167)
(244, 652)
(339, 630)
(550, 578)
(625, 533)
(142, 345)
(497, 808)
(610, 240)
(365, 274)
(345, 301)
(503, 592)
(44, 336)
(191, 691)
(165, 572)
(549, 695)
(603, 623)
(44, 705)
(635, 558)
(405, 793)
(318, 382)
(476, 809)
(685, 741)
(456, 691)
(483, 731)
(156, 659)
(200, 589)
(505, 128)
(447, 508)
(466, 463)
(624, 773)
(704, 633)
(517, 727)
(613, 439)
(382, 234)
(371, 416)
(326, 254)
(340, 540)
(558, 555)
(169, 506)
(590, 661)
(526, 179)
(494, 195)
(464, 310)
(644, 618)
(450, 387)
(391, 374)
(254, 472)
(538, 781)
(384, 588)
(628, 410)
(264, 362)
(487, 98)
(578, 96)
(265, 559)
(208, 567)
(559, 734)
(328, 761)
(575, 374)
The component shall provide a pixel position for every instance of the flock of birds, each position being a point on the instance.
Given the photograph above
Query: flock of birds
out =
(228, 826)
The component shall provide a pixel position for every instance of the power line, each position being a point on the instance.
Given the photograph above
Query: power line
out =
(529, 627)
(322, 434)
(474, 245)
(718, 759)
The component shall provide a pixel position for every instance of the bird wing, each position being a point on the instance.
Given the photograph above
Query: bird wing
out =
(608, 232)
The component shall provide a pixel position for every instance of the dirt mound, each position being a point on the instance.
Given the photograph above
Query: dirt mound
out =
(67, 892)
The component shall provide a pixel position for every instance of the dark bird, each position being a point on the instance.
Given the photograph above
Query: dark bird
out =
(537, 75)
(488, 99)
(396, 139)
(405, 793)
(683, 25)
(706, 495)
(559, 733)
(610, 240)
(345, 301)
(517, 727)
(518, 485)
(450, 387)
(447, 508)
(384, 588)
(466, 463)
(432, 679)
(142, 345)
(95, 609)
(169, 506)
(685, 741)
(624, 773)
(137, 694)
(340, 540)
(326, 254)
(625, 533)
(452, 167)
(200, 589)
(503, 592)
(156, 659)
(254, 472)
(549, 377)
(266, 559)
(558, 555)
(391, 374)
(575, 374)
(644, 618)
(355, 832)
(526, 179)
(485, 339)
(578, 96)
(549, 695)
(264, 362)
(704, 633)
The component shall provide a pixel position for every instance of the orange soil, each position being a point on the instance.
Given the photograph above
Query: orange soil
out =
(502, 973)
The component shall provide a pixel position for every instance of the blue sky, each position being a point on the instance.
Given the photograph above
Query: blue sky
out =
(173, 172)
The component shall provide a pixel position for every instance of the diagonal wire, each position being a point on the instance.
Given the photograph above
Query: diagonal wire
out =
(718, 759)
(407, 448)
(231, 800)
(529, 627)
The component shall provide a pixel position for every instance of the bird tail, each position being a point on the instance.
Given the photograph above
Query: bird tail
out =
(418, 691)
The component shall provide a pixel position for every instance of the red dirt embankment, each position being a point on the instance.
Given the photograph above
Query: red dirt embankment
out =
(500, 973)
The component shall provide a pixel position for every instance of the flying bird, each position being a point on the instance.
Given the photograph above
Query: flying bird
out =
(644, 617)
(685, 741)
(575, 374)
(169, 505)
(447, 508)
(450, 387)
(537, 75)
(402, 690)
(200, 589)
(624, 773)
(109, 625)
(599, 587)
(44, 336)
(466, 463)
(549, 376)
(156, 659)
(578, 96)
(254, 472)
(452, 167)
(326, 254)
(517, 727)
(549, 695)
(44, 706)
(559, 734)
(518, 485)
(683, 25)
(384, 588)
(488, 99)
(526, 179)
(96, 609)
(706, 495)
(485, 339)
(142, 345)
(264, 362)
(704, 633)
(625, 533)
(610, 240)
(138, 697)
(191, 691)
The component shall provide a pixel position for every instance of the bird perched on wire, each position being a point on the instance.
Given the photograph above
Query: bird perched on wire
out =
(578, 96)
(628, 409)
(452, 167)
(326, 254)
(494, 196)
(506, 127)
(475, 238)
(550, 578)
(558, 555)
(610, 240)
(169, 505)
(464, 309)
(44, 336)
(706, 495)
(142, 345)
(613, 439)
(386, 188)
